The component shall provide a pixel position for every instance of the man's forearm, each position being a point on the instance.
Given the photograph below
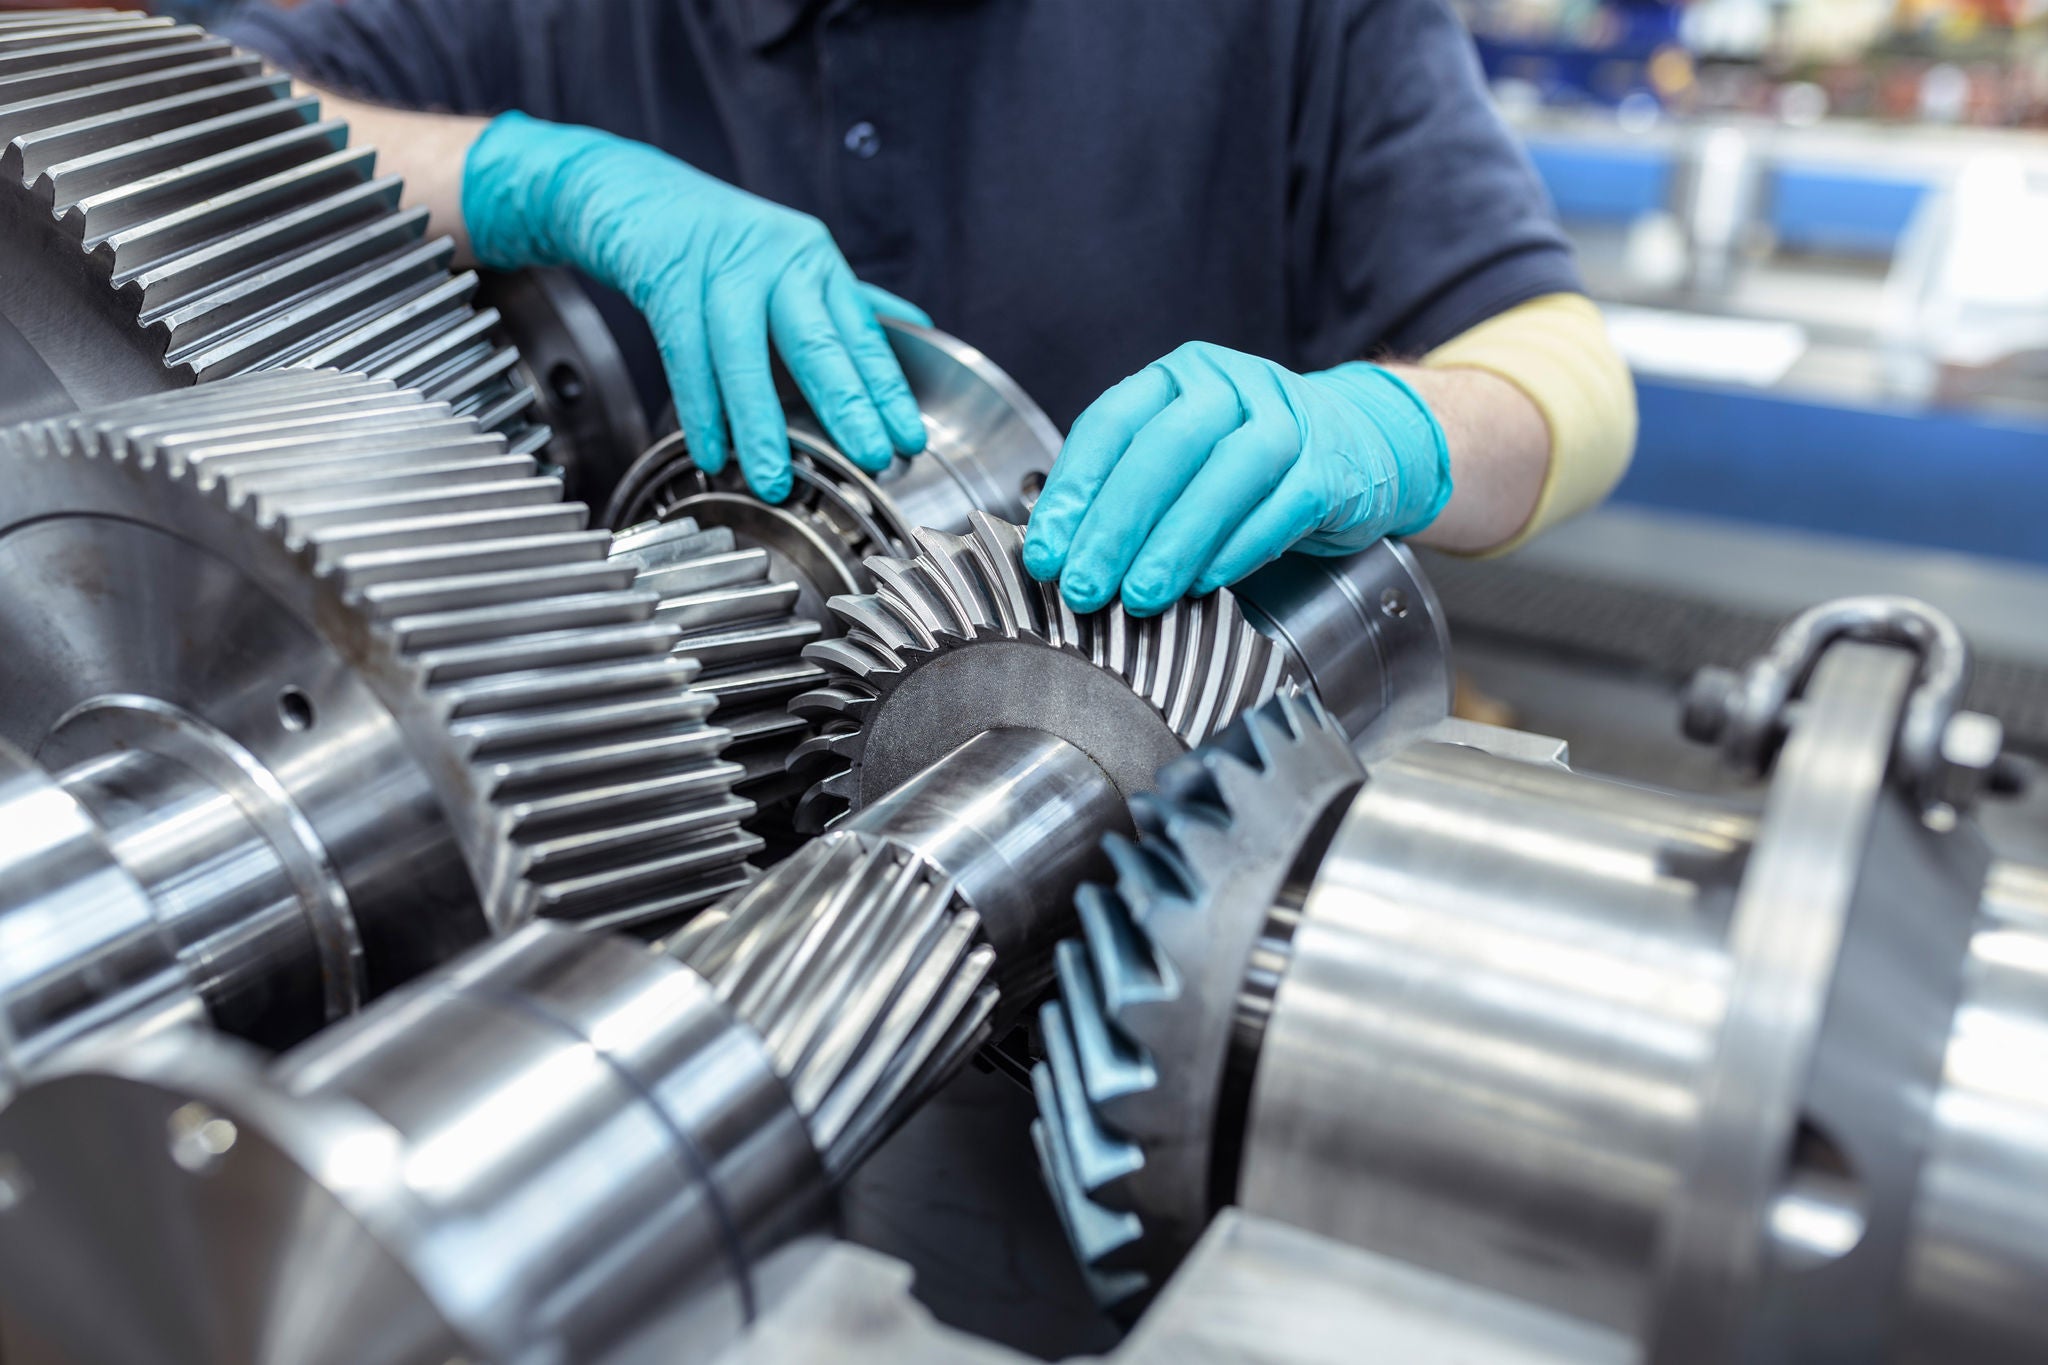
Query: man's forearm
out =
(1539, 412)
(1500, 453)
(429, 150)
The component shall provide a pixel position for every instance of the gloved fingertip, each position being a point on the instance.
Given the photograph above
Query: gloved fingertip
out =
(773, 489)
(873, 459)
(1147, 595)
(906, 426)
(708, 456)
(1041, 559)
(1140, 606)
(1084, 594)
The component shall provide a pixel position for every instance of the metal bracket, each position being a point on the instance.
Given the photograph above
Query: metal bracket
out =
(1943, 754)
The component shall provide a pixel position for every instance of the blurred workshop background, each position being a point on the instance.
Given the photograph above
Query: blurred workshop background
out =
(1817, 228)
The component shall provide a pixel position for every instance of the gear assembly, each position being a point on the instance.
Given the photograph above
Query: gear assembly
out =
(440, 922)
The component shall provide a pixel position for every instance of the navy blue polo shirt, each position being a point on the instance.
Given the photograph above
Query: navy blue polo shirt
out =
(1074, 186)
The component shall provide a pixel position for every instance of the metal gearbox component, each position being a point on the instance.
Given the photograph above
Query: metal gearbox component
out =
(1198, 918)
(988, 449)
(170, 211)
(343, 685)
(566, 1146)
(960, 639)
(1696, 1084)
(859, 966)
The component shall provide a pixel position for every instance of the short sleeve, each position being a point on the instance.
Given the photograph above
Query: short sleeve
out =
(453, 56)
(1417, 213)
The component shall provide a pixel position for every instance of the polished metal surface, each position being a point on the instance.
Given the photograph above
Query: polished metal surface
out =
(410, 1170)
(1845, 945)
(189, 217)
(1016, 818)
(1979, 1248)
(340, 685)
(988, 447)
(857, 964)
(1712, 1085)
(1133, 1149)
(1369, 635)
(1502, 995)
(741, 621)
(65, 900)
(960, 639)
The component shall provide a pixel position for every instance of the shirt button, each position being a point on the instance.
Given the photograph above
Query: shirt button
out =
(862, 140)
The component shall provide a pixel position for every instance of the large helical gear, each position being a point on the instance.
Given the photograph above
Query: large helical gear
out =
(961, 639)
(192, 218)
(536, 690)
(1139, 1043)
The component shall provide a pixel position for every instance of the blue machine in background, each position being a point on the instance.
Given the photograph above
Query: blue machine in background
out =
(1948, 478)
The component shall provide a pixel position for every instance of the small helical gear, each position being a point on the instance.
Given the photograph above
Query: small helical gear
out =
(1188, 671)
(536, 688)
(862, 969)
(1139, 1039)
(224, 222)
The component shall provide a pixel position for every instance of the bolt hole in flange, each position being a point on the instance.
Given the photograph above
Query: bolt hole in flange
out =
(199, 1137)
(1394, 604)
(294, 710)
(565, 381)
(1819, 1214)
(1029, 487)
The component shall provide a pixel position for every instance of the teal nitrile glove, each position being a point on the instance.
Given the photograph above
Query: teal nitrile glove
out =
(1205, 465)
(717, 272)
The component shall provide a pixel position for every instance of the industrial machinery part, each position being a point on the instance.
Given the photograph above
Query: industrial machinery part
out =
(1223, 831)
(738, 621)
(703, 1097)
(564, 1146)
(324, 683)
(1709, 1085)
(170, 212)
(988, 448)
(583, 391)
(961, 639)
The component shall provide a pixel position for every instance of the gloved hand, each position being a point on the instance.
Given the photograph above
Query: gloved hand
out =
(716, 271)
(1207, 464)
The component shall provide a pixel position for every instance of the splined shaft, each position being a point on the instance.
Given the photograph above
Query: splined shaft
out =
(858, 965)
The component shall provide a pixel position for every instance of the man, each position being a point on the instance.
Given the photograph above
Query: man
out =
(1239, 204)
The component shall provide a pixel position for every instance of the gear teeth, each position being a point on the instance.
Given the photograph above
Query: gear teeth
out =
(736, 619)
(572, 754)
(859, 967)
(232, 226)
(1199, 664)
(1138, 1040)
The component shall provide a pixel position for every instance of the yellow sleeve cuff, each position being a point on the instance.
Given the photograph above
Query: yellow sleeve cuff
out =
(1555, 350)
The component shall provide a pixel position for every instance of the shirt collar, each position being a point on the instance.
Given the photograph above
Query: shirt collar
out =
(763, 23)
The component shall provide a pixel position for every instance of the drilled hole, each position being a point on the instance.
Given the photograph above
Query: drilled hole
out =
(565, 381)
(1394, 604)
(1030, 486)
(1819, 1213)
(294, 710)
